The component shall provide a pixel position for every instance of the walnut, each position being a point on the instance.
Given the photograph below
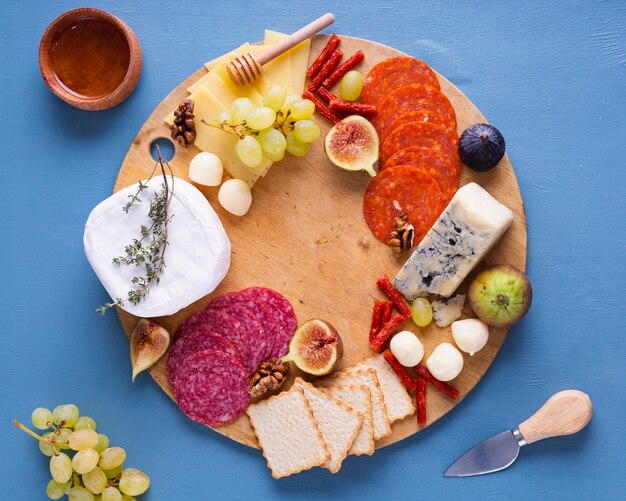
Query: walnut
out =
(268, 377)
(402, 235)
(183, 130)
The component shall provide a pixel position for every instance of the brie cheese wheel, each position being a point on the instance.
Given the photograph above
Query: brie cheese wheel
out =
(197, 257)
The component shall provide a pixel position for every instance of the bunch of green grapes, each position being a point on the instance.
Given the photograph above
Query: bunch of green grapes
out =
(281, 123)
(82, 464)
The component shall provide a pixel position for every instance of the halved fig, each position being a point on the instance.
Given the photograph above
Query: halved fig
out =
(352, 144)
(148, 342)
(315, 348)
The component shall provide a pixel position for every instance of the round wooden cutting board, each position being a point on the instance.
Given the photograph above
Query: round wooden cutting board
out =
(306, 237)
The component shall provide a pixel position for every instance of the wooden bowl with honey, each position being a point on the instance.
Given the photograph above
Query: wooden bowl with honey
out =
(90, 59)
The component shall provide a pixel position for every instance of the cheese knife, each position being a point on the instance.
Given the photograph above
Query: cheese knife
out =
(564, 413)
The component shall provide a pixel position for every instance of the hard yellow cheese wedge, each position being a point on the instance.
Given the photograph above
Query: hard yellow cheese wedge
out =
(299, 58)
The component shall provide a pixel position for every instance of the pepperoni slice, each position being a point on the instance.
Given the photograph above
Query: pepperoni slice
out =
(397, 190)
(421, 115)
(444, 171)
(412, 98)
(211, 387)
(392, 73)
(419, 134)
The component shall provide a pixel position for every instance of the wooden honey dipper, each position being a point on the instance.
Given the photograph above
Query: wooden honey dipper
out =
(246, 68)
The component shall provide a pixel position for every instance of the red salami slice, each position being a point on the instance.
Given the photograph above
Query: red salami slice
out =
(412, 98)
(211, 387)
(440, 168)
(197, 341)
(397, 190)
(421, 115)
(392, 73)
(419, 134)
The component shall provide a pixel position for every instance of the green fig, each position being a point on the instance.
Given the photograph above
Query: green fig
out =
(148, 342)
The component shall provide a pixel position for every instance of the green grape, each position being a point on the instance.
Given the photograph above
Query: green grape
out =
(128, 498)
(42, 418)
(95, 480)
(62, 438)
(61, 468)
(301, 109)
(289, 100)
(274, 97)
(351, 86)
(306, 131)
(103, 443)
(65, 415)
(134, 482)
(83, 439)
(85, 422)
(225, 116)
(249, 151)
(80, 494)
(111, 494)
(240, 109)
(296, 147)
(422, 312)
(273, 143)
(261, 118)
(112, 458)
(56, 490)
(46, 449)
(85, 460)
(114, 472)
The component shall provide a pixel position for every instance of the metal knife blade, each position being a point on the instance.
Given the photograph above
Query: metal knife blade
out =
(494, 454)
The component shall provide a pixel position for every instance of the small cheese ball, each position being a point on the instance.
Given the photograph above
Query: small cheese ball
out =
(445, 363)
(407, 349)
(235, 197)
(206, 169)
(470, 335)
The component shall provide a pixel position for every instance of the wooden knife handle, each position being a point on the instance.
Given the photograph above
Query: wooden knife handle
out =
(564, 413)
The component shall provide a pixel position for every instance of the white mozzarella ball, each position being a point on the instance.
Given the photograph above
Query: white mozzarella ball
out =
(470, 335)
(407, 348)
(445, 363)
(235, 197)
(206, 169)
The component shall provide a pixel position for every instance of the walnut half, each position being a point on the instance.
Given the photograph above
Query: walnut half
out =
(268, 377)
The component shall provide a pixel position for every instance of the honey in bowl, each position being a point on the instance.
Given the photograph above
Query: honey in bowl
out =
(90, 58)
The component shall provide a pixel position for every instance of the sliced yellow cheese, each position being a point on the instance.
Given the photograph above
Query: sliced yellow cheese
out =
(299, 57)
(278, 70)
(216, 141)
(214, 62)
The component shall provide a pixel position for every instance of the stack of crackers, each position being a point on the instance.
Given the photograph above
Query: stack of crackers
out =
(321, 423)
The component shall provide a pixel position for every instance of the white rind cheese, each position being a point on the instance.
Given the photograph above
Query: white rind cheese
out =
(197, 257)
(465, 232)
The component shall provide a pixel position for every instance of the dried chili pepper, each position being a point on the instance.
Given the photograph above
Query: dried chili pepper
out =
(387, 311)
(341, 70)
(400, 371)
(377, 318)
(444, 388)
(331, 45)
(341, 105)
(420, 400)
(327, 95)
(326, 70)
(378, 343)
(321, 108)
(384, 284)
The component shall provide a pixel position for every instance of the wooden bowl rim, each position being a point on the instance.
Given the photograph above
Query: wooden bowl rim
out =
(133, 71)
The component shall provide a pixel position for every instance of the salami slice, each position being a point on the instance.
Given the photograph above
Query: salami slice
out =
(397, 190)
(255, 332)
(419, 134)
(413, 98)
(211, 387)
(420, 115)
(197, 341)
(392, 73)
(440, 168)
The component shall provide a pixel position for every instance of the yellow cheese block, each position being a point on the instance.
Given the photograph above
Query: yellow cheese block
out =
(278, 70)
(299, 57)
(214, 140)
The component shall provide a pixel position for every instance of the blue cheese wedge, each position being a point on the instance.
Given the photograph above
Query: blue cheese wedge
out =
(465, 232)
(447, 311)
(197, 257)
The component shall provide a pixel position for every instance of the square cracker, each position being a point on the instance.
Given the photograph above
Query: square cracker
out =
(398, 402)
(287, 433)
(367, 377)
(359, 399)
(338, 423)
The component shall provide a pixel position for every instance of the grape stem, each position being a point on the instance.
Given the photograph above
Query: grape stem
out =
(30, 432)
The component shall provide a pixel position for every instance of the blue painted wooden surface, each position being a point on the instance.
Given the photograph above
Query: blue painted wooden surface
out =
(549, 75)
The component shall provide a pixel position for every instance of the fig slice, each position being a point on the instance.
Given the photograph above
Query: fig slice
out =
(148, 342)
(501, 295)
(315, 348)
(352, 144)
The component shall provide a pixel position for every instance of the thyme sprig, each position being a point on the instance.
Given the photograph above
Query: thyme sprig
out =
(149, 249)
